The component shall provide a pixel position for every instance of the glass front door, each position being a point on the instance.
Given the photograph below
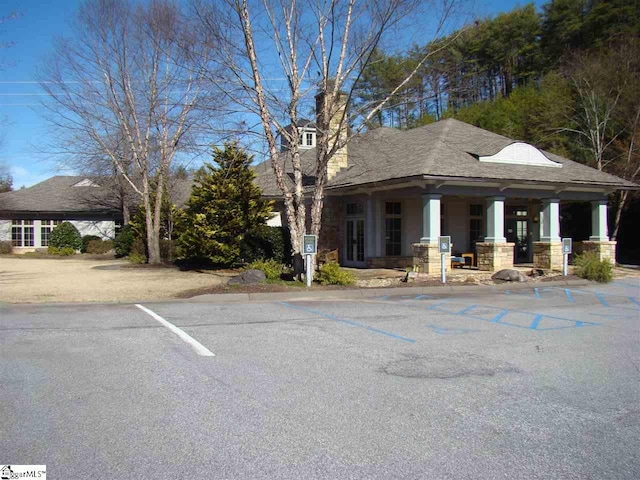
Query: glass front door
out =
(517, 233)
(354, 241)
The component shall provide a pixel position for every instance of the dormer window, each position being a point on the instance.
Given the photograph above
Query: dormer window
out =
(306, 136)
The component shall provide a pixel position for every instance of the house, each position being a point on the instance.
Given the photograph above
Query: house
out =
(92, 204)
(392, 193)
(27, 216)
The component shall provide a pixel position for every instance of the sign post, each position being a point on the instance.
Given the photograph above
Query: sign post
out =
(309, 248)
(566, 250)
(444, 247)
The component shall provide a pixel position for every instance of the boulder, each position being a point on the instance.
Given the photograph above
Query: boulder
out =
(509, 275)
(248, 277)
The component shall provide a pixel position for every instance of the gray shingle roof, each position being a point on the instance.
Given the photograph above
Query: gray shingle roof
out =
(448, 148)
(59, 195)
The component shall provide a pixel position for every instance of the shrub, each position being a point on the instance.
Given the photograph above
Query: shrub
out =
(332, 274)
(590, 267)
(123, 241)
(99, 246)
(266, 242)
(61, 251)
(5, 248)
(271, 268)
(137, 258)
(167, 250)
(85, 241)
(65, 235)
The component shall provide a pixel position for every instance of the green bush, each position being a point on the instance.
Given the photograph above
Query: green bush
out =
(85, 241)
(61, 251)
(590, 267)
(65, 235)
(137, 258)
(272, 269)
(123, 241)
(167, 250)
(99, 246)
(266, 242)
(5, 248)
(332, 274)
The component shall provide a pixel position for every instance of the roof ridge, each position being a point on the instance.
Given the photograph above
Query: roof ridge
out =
(439, 142)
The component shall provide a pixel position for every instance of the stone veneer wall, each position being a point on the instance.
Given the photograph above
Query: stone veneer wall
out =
(494, 256)
(426, 258)
(604, 250)
(390, 262)
(547, 255)
(331, 231)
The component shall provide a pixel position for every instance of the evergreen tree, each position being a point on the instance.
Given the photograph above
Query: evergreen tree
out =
(223, 207)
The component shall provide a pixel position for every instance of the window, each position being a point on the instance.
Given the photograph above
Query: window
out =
(22, 233)
(310, 139)
(45, 230)
(393, 229)
(355, 209)
(476, 213)
(476, 210)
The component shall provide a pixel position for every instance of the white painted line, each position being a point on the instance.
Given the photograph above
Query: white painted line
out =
(197, 346)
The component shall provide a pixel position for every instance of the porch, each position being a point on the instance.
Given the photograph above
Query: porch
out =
(399, 228)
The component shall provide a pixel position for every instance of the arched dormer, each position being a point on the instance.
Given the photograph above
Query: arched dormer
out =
(520, 153)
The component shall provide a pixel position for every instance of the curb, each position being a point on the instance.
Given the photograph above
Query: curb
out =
(363, 293)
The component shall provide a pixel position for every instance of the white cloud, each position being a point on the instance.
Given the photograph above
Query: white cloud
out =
(24, 177)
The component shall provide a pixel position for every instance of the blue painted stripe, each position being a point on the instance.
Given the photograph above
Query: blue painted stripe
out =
(436, 305)
(634, 300)
(497, 318)
(466, 309)
(536, 291)
(567, 292)
(348, 322)
(536, 322)
(601, 298)
(420, 297)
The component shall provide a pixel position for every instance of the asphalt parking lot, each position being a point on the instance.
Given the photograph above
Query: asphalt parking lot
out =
(518, 384)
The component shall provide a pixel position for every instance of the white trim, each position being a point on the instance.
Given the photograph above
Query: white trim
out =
(520, 153)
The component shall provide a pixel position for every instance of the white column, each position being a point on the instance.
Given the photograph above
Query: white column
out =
(370, 222)
(599, 229)
(430, 217)
(550, 220)
(495, 220)
(379, 231)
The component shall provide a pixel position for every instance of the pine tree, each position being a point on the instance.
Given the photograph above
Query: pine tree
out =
(223, 207)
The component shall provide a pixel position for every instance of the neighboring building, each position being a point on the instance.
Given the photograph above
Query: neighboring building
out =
(392, 193)
(92, 204)
(27, 216)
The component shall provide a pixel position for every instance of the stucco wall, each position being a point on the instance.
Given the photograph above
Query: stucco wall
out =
(5, 230)
(456, 223)
(104, 229)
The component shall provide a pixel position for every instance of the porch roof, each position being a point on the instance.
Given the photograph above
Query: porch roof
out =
(446, 149)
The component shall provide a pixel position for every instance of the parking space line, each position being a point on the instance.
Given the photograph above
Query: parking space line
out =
(197, 346)
(348, 322)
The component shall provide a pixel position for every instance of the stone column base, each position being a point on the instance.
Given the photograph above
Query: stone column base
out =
(494, 256)
(604, 250)
(426, 258)
(547, 255)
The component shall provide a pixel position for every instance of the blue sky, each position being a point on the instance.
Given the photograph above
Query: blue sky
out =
(24, 135)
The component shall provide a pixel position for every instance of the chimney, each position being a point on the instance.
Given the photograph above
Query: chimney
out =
(339, 160)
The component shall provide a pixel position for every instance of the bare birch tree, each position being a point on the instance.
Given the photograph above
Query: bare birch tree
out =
(319, 47)
(123, 88)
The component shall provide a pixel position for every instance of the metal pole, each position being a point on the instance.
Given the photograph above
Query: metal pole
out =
(443, 271)
(308, 270)
(565, 264)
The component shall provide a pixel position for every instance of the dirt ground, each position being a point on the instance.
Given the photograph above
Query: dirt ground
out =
(49, 280)
(82, 279)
